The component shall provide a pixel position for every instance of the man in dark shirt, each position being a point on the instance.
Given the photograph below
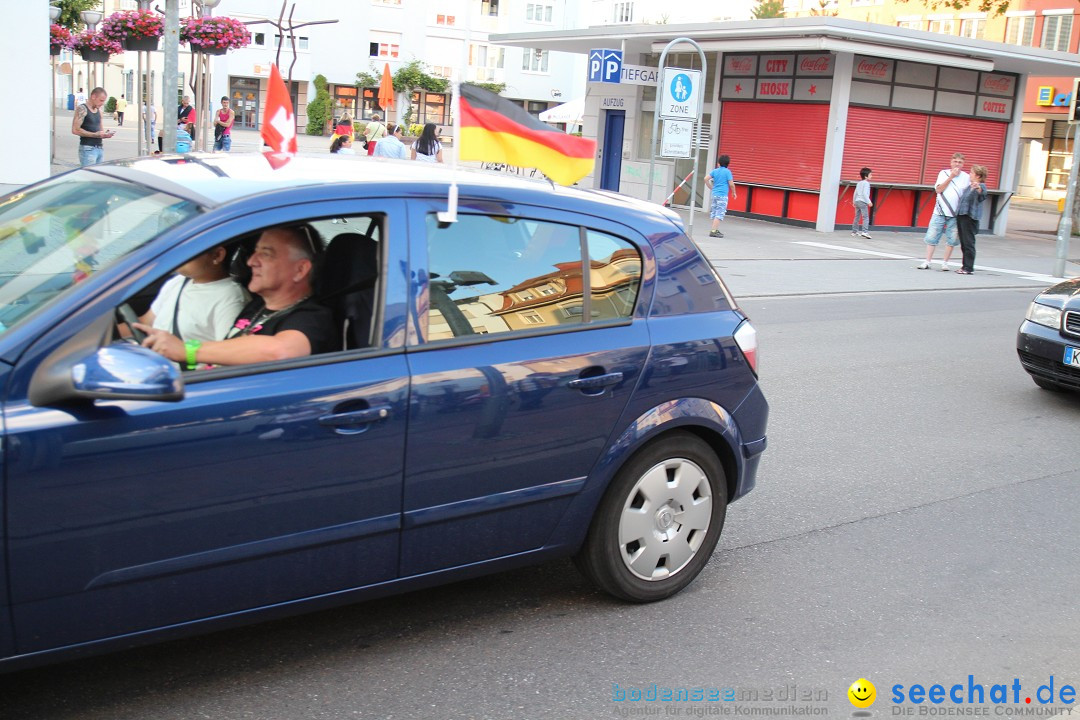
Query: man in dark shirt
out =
(87, 125)
(281, 322)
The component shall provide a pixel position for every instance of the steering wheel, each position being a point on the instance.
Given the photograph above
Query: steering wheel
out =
(125, 314)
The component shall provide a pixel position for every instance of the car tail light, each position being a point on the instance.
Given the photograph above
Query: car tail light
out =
(746, 339)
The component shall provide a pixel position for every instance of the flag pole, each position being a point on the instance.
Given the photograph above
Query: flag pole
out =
(455, 122)
(450, 215)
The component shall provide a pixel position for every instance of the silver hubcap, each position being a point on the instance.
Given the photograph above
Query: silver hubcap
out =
(665, 519)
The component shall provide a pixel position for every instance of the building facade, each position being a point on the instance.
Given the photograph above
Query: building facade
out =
(1045, 150)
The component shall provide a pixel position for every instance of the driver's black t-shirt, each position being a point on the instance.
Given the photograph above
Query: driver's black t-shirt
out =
(308, 317)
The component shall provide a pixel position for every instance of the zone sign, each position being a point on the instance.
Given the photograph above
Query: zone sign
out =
(680, 94)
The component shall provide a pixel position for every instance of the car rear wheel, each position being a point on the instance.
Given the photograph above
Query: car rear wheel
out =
(1047, 384)
(658, 522)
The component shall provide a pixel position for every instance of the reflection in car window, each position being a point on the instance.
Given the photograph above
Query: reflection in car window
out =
(58, 234)
(495, 274)
(615, 274)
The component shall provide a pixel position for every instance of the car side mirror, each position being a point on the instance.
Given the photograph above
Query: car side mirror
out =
(119, 371)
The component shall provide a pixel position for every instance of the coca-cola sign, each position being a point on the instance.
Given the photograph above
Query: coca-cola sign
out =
(998, 84)
(873, 69)
(740, 64)
(815, 65)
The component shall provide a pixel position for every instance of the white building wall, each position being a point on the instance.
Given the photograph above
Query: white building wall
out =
(25, 128)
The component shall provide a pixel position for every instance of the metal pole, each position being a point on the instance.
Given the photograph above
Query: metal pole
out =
(171, 76)
(656, 119)
(52, 108)
(1065, 226)
(140, 102)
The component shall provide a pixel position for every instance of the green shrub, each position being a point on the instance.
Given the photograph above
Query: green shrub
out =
(319, 108)
(110, 105)
(415, 129)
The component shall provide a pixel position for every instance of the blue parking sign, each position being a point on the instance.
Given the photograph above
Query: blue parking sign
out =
(605, 65)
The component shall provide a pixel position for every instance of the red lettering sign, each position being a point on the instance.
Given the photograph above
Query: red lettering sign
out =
(740, 64)
(874, 69)
(776, 66)
(999, 83)
(812, 64)
(776, 89)
(994, 107)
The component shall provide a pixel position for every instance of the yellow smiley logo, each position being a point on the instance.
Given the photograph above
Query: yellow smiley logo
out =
(862, 693)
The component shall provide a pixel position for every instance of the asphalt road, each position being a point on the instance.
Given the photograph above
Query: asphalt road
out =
(914, 523)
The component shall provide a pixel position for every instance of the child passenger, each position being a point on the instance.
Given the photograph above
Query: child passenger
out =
(201, 302)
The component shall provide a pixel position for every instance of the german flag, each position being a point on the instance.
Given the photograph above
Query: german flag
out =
(493, 129)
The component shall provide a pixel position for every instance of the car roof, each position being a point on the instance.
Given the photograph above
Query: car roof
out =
(214, 179)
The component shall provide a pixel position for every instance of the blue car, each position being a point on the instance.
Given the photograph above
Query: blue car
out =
(557, 372)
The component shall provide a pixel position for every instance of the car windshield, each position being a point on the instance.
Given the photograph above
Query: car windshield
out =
(57, 234)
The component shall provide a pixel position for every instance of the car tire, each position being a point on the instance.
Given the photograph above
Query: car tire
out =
(1047, 384)
(658, 522)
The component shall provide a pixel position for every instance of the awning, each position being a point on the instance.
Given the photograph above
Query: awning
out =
(571, 113)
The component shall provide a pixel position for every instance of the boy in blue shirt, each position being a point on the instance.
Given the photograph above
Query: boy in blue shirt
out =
(861, 224)
(722, 184)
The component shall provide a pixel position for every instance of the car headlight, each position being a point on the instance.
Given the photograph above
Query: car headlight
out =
(1044, 315)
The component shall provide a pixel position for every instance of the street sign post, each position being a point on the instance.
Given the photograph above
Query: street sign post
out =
(677, 138)
(1065, 225)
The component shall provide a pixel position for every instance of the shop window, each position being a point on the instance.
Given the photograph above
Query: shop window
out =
(974, 28)
(1019, 30)
(1059, 163)
(1056, 32)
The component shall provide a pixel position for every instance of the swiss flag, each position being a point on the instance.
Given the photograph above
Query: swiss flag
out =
(279, 123)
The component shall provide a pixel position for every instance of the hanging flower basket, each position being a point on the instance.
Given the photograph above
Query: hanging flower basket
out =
(214, 35)
(135, 29)
(59, 38)
(95, 47)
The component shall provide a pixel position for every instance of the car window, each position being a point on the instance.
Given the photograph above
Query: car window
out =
(57, 234)
(498, 274)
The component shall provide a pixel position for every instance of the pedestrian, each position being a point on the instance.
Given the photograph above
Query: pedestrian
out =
(427, 147)
(149, 115)
(342, 145)
(80, 98)
(861, 224)
(87, 125)
(373, 132)
(121, 107)
(968, 214)
(722, 184)
(183, 137)
(949, 187)
(223, 124)
(391, 145)
(184, 111)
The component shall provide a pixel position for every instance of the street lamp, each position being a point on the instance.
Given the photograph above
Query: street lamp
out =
(92, 18)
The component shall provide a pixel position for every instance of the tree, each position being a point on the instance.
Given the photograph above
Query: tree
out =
(412, 77)
(70, 9)
(768, 9)
(822, 10)
(318, 109)
(997, 7)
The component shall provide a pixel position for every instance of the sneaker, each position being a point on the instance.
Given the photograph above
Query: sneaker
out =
(945, 267)
(716, 234)
(962, 271)
(924, 266)
(854, 234)
(865, 235)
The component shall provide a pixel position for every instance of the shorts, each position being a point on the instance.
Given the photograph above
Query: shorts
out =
(719, 207)
(91, 155)
(224, 143)
(942, 226)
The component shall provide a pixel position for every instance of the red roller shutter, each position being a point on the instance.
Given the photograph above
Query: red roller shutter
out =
(775, 143)
(889, 142)
(981, 141)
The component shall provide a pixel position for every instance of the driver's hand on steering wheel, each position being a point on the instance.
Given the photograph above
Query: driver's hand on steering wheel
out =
(163, 343)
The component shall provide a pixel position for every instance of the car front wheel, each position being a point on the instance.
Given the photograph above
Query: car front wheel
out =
(658, 522)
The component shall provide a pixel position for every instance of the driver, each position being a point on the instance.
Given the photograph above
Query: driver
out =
(280, 322)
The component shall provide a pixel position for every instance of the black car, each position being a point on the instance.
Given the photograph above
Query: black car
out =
(1048, 340)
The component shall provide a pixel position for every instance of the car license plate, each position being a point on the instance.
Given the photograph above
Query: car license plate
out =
(1072, 356)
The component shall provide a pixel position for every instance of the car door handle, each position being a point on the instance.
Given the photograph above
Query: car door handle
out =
(356, 417)
(596, 382)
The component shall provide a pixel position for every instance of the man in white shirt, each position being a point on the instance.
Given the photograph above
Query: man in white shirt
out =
(950, 185)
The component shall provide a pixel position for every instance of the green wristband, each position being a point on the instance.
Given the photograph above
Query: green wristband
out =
(192, 348)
